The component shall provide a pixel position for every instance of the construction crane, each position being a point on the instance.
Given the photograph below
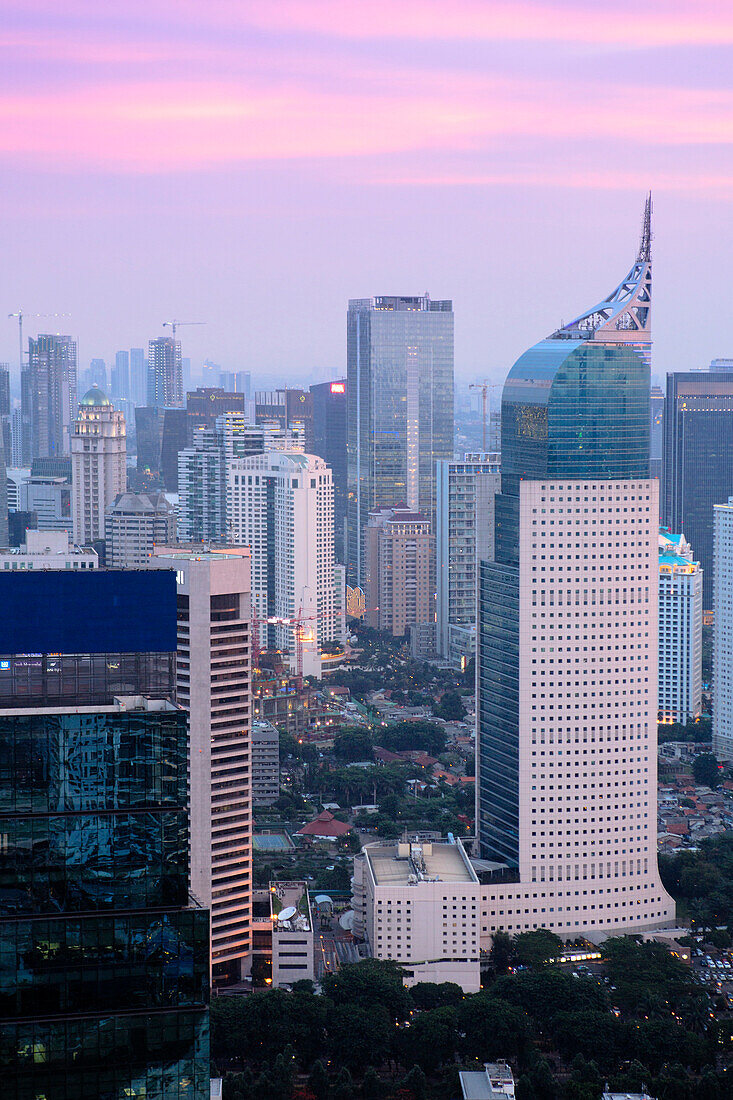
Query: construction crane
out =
(177, 324)
(484, 386)
(277, 620)
(20, 315)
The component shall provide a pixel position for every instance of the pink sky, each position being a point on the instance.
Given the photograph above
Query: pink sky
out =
(254, 165)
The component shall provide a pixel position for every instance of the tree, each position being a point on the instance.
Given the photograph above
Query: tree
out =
(353, 743)
(371, 1085)
(318, 1081)
(422, 735)
(427, 995)
(705, 770)
(502, 950)
(359, 1036)
(431, 1039)
(369, 984)
(491, 1028)
(537, 948)
(450, 707)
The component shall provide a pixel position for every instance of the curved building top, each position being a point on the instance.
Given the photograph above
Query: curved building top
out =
(576, 405)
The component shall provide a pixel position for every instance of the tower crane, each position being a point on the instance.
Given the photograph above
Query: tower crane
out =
(20, 315)
(484, 386)
(177, 324)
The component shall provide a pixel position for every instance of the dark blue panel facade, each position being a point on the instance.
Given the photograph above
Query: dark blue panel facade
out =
(96, 611)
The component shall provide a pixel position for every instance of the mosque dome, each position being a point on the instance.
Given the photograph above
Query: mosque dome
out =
(94, 397)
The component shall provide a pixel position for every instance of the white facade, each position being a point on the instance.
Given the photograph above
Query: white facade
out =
(213, 684)
(135, 524)
(463, 535)
(201, 489)
(588, 578)
(48, 550)
(98, 464)
(420, 904)
(680, 630)
(50, 499)
(280, 504)
(723, 630)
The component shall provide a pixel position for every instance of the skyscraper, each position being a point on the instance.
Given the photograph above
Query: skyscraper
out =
(103, 959)
(680, 630)
(399, 557)
(464, 535)
(698, 459)
(723, 630)
(138, 376)
(213, 685)
(134, 525)
(400, 409)
(567, 633)
(120, 388)
(48, 396)
(98, 464)
(330, 442)
(165, 373)
(281, 505)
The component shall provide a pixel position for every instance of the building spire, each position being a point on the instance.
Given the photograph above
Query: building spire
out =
(645, 245)
(624, 315)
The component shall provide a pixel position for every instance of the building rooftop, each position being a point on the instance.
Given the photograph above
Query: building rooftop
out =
(495, 1080)
(408, 863)
(95, 398)
(122, 704)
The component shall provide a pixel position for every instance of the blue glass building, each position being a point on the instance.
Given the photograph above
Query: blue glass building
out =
(104, 960)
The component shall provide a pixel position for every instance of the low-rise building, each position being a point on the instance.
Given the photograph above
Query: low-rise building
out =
(282, 940)
(419, 903)
(265, 763)
(48, 550)
(495, 1080)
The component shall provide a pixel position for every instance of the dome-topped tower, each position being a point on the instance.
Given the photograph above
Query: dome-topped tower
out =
(95, 398)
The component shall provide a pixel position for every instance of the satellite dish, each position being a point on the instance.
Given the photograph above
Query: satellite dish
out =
(347, 921)
(287, 914)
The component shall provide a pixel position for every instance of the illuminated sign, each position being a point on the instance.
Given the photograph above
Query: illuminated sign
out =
(338, 387)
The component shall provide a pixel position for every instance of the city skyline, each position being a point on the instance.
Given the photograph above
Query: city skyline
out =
(509, 130)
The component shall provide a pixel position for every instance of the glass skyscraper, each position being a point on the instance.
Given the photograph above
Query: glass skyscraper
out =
(400, 409)
(698, 459)
(104, 959)
(567, 632)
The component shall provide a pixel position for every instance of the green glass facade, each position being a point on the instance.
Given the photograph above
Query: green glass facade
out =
(571, 409)
(103, 961)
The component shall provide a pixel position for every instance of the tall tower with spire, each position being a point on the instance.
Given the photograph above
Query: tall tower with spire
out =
(567, 633)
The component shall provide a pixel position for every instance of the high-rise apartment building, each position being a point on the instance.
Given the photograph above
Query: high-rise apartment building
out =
(680, 630)
(567, 633)
(464, 533)
(330, 444)
(723, 630)
(280, 504)
(98, 464)
(399, 555)
(698, 459)
(103, 959)
(134, 525)
(48, 396)
(165, 373)
(213, 685)
(400, 409)
(656, 434)
(265, 762)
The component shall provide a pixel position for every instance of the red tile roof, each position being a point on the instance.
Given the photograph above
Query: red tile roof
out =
(324, 825)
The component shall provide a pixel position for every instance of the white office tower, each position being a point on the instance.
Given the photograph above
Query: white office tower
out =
(680, 630)
(567, 635)
(135, 524)
(464, 535)
(419, 903)
(723, 630)
(98, 464)
(280, 504)
(213, 684)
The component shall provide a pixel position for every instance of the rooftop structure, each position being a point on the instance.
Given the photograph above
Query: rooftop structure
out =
(495, 1080)
(48, 550)
(419, 902)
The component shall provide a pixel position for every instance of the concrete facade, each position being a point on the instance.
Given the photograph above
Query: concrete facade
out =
(723, 630)
(420, 904)
(134, 525)
(265, 763)
(399, 560)
(98, 465)
(213, 684)
(680, 630)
